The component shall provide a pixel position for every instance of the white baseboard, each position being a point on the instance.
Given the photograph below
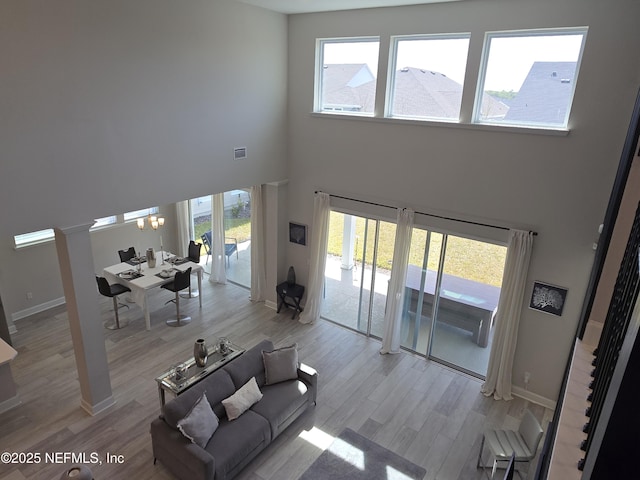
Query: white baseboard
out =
(271, 305)
(99, 407)
(56, 302)
(533, 397)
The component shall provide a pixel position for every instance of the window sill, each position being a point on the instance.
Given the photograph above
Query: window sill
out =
(558, 132)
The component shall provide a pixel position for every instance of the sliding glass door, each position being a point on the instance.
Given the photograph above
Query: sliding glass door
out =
(451, 295)
(357, 272)
(451, 288)
(467, 299)
(237, 232)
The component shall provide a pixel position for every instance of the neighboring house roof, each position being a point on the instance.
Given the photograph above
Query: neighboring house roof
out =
(418, 92)
(545, 94)
(348, 87)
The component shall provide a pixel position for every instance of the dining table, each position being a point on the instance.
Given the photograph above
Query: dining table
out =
(143, 281)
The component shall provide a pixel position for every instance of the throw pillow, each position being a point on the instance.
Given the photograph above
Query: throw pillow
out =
(200, 423)
(280, 364)
(241, 401)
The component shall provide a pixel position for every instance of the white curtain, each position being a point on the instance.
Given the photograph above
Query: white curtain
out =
(184, 230)
(395, 294)
(498, 380)
(258, 267)
(218, 266)
(319, 234)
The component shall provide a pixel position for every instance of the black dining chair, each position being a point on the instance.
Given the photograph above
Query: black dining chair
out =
(193, 256)
(181, 281)
(112, 291)
(194, 251)
(126, 255)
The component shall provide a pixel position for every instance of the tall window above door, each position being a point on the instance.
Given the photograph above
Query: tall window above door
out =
(346, 71)
(528, 77)
(426, 75)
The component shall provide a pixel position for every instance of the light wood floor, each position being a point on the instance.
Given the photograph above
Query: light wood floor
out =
(417, 408)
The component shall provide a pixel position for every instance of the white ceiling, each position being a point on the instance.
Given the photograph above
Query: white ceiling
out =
(307, 6)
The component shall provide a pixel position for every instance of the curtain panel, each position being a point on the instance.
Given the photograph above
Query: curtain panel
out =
(258, 259)
(319, 236)
(395, 294)
(499, 371)
(218, 267)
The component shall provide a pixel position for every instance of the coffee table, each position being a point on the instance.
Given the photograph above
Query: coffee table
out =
(167, 382)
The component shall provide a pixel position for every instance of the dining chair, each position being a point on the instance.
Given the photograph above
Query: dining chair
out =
(112, 291)
(126, 255)
(522, 443)
(181, 281)
(230, 246)
(194, 251)
(193, 256)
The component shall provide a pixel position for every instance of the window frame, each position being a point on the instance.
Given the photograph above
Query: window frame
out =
(482, 73)
(38, 237)
(319, 73)
(393, 67)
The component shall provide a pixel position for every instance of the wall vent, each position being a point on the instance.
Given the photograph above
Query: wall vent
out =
(239, 153)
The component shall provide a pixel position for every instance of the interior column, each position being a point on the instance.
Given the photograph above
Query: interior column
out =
(78, 280)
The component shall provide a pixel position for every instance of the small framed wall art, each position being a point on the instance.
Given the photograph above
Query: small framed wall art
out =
(548, 298)
(297, 233)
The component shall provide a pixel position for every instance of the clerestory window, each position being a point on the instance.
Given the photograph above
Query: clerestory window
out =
(528, 78)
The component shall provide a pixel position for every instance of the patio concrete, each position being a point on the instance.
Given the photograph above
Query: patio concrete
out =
(342, 300)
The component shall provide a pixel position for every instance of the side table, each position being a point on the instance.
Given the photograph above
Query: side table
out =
(193, 373)
(294, 292)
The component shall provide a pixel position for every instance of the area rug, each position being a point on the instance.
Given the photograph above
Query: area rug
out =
(354, 457)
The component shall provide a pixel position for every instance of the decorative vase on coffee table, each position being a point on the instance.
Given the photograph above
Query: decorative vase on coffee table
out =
(200, 353)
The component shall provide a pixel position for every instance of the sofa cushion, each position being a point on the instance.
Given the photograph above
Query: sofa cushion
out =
(248, 365)
(280, 401)
(241, 401)
(235, 441)
(217, 386)
(200, 423)
(280, 364)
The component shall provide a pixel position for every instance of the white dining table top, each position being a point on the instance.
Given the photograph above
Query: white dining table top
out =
(150, 278)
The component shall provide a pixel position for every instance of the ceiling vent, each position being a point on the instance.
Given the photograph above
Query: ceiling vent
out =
(239, 153)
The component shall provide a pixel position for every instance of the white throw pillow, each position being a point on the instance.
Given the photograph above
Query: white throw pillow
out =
(241, 401)
(200, 423)
(281, 364)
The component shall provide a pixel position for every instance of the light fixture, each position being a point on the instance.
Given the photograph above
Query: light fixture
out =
(155, 222)
(77, 472)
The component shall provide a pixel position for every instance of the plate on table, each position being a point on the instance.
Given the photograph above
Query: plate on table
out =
(166, 274)
(128, 275)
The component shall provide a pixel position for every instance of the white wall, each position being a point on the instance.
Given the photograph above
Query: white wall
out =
(111, 106)
(556, 185)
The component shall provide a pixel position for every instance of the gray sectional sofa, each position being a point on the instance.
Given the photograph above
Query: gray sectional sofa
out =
(234, 443)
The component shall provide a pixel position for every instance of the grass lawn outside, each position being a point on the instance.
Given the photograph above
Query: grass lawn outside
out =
(479, 261)
(238, 228)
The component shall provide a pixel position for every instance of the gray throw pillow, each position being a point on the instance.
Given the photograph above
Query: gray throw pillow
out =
(280, 364)
(200, 423)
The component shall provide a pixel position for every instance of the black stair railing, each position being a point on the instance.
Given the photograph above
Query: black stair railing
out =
(613, 333)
